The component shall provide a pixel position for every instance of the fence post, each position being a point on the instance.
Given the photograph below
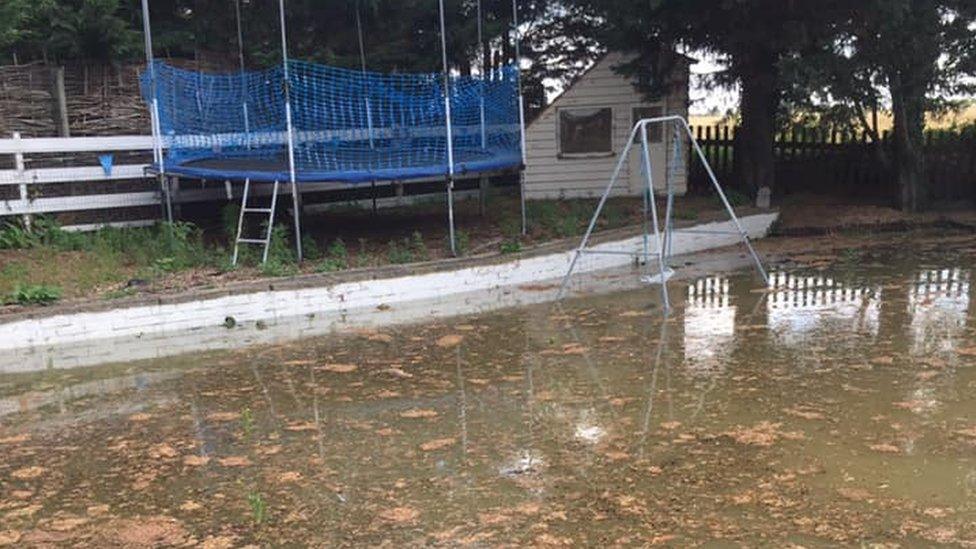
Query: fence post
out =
(21, 179)
(60, 102)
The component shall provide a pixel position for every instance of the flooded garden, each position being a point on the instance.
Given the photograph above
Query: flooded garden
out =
(836, 406)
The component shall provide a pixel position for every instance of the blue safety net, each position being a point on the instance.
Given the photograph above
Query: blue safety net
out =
(347, 125)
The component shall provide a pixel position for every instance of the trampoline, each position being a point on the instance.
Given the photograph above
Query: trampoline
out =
(348, 126)
(301, 122)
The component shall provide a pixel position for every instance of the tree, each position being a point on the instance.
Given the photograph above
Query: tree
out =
(13, 14)
(913, 55)
(754, 38)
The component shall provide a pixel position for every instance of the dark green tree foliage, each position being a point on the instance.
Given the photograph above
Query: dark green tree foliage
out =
(54, 30)
(754, 38)
(911, 55)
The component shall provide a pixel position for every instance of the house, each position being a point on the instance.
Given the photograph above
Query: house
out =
(573, 146)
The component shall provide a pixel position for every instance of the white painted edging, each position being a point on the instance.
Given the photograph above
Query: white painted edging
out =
(271, 306)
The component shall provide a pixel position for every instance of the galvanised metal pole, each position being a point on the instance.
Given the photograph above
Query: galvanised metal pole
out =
(240, 56)
(521, 107)
(657, 234)
(154, 124)
(296, 199)
(450, 131)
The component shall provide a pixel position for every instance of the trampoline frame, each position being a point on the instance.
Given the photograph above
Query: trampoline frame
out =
(163, 171)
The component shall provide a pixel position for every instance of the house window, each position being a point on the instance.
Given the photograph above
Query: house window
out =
(586, 131)
(654, 131)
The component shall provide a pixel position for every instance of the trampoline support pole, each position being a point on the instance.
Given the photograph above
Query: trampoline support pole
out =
(289, 128)
(450, 214)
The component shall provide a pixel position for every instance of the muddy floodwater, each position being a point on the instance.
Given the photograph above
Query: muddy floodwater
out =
(836, 407)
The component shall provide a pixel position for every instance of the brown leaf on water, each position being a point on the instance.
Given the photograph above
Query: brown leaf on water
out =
(966, 351)
(234, 461)
(969, 433)
(400, 515)
(23, 512)
(195, 461)
(616, 455)
(16, 439)
(140, 417)
(763, 433)
(163, 451)
(800, 412)
(222, 417)
(883, 360)
(9, 537)
(219, 542)
(298, 362)
(66, 524)
(418, 413)
(450, 340)
(885, 448)
(397, 372)
(612, 339)
(338, 368)
(437, 444)
(158, 531)
(573, 349)
(382, 338)
(289, 476)
(301, 427)
(97, 510)
(670, 425)
(28, 473)
(386, 393)
(854, 494)
(549, 540)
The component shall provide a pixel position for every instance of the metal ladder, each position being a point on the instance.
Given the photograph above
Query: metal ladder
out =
(270, 212)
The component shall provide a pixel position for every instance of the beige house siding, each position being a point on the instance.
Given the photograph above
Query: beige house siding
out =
(548, 176)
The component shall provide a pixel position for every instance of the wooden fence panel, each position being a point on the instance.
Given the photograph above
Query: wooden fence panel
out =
(843, 163)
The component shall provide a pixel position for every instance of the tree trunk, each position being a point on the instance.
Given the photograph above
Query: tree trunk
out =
(908, 110)
(755, 159)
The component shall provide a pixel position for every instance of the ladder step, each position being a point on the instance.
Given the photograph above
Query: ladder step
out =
(251, 241)
(257, 210)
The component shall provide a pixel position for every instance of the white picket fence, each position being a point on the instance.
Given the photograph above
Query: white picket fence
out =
(28, 203)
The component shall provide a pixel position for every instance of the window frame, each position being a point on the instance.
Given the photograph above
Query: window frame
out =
(590, 154)
(655, 133)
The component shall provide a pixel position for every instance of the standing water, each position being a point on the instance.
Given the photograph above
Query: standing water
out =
(835, 407)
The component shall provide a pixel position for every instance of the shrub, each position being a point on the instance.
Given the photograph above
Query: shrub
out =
(35, 295)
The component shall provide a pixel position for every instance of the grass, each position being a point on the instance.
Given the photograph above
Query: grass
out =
(259, 507)
(44, 264)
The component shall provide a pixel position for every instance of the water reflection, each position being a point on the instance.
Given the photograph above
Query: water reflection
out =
(938, 304)
(800, 306)
(709, 324)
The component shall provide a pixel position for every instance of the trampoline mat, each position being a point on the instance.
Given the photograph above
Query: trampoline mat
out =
(316, 167)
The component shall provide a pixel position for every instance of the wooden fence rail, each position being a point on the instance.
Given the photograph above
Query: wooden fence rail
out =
(820, 161)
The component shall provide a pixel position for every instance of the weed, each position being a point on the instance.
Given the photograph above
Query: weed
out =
(512, 246)
(398, 254)
(735, 197)
(336, 258)
(462, 243)
(687, 215)
(259, 507)
(14, 236)
(35, 295)
(418, 248)
(310, 248)
(362, 258)
(247, 422)
(229, 218)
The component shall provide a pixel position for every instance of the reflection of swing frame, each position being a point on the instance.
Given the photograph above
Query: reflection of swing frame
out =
(663, 242)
